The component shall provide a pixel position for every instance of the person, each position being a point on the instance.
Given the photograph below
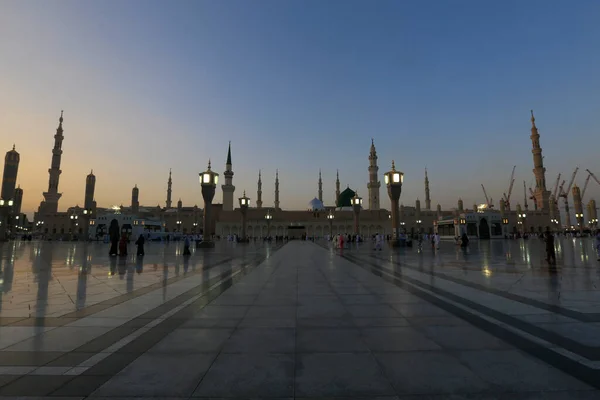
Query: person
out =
(123, 245)
(598, 244)
(341, 242)
(550, 254)
(186, 246)
(378, 241)
(140, 245)
(464, 240)
(113, 234)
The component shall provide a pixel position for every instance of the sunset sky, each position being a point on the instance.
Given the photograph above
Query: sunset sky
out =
(298, 85)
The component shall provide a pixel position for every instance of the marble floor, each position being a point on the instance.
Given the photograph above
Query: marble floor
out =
(302, 320)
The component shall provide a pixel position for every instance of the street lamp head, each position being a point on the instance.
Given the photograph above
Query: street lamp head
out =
(209, 177)
(357, 200)
(268, 217)
(330, 216)
(10, 203)
(244, 201)
(393, 177)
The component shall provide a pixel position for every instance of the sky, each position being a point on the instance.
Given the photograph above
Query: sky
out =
(298, 86)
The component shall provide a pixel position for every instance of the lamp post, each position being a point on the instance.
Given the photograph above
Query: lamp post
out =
(208, 181)
(244, 203)
(521, 222)
(330, 218)
(74, 218)
(87, 216)
(178, 226)
(579, 218)
(5, 207)
(268, 218)
(194, 227)
(356, 206)
(393, 180)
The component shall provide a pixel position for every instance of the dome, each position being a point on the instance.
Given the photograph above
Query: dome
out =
(345, 199)
(316, 205)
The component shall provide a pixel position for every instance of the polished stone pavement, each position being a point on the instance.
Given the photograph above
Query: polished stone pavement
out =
(300, 321)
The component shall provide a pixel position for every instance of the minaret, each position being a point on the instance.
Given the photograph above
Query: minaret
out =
(439, 211)
(169, 187)
(461, 207)
(135, 203)
(259, 192)
(90, 187)
(9, 177)
(542, 196)
(427, 198)
(52, 196)
(320, 187)
(277, 189)
(418, 209)
(179, 204)
(228, 187)
(373, 184)
(337, 187)
(18, 200)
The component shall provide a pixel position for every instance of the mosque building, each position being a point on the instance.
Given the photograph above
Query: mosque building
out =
(317, 220)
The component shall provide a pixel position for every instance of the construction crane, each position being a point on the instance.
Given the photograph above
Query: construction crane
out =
(565, 195)
(555, 191)
(487, 199)
(510, 186)
(593, 176)
(585, 185)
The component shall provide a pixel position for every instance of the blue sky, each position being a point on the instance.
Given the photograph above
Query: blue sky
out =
(299, 85)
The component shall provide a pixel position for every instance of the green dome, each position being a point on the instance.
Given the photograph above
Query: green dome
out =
(345, 199)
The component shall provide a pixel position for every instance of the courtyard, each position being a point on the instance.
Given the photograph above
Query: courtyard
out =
(300, 320)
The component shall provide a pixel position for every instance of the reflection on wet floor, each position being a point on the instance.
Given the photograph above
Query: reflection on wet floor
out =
(54, 278)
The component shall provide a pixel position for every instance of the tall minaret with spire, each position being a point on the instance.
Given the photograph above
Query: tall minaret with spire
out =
(90, 187)
(320, 187)
(373, 184)
(169, 187)
(337, 187)
(228, 187)
(427, 197)
(277, 189)
(51, 197)
(542, 196)
(259, 192)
